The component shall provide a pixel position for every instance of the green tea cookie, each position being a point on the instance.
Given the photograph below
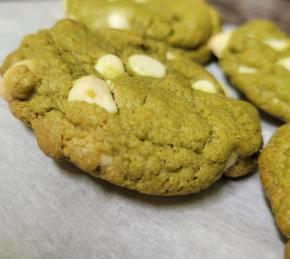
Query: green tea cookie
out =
(256, 57)
(275, 174)
(183, 27)
(287, 251)
(125, 116)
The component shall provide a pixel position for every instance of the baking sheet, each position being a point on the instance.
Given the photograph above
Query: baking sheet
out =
(52, 210)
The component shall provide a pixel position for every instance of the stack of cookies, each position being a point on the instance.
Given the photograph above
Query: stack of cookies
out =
(119, 90)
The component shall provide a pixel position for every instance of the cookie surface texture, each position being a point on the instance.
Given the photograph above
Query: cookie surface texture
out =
(183, 27)
(257, 61)
(275, 174)
(126, 115)
(287, 251)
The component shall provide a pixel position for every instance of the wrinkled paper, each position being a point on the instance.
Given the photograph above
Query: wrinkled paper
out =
(50, 210)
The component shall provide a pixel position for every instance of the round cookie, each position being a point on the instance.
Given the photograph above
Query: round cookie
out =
(275, 174)
(256, 58)
(183, 27)
(128, 117)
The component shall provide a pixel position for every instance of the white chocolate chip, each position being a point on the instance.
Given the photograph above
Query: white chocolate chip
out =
(285, 63)
(117, 20)
(205, 86)
(110, 66)
(106, 160)
(170, 55)
(247, 70)
(93, 90)
(219, 42)
(144, 65)
(3, 90)
(275, 101)
(27, 62)
(232, 159)
(277, 44)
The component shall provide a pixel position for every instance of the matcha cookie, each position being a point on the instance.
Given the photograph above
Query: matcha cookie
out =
(127, 117)
(256, 57)
(275, 174)
(183, 27)
(287, 251)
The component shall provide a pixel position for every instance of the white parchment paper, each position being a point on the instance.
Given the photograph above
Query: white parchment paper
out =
(50, 210)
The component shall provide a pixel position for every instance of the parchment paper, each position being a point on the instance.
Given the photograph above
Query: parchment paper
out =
(51, 210)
